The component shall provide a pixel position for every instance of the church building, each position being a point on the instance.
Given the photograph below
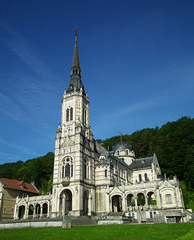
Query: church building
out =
(90, 180)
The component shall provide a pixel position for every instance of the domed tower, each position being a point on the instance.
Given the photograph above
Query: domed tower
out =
(124, 151)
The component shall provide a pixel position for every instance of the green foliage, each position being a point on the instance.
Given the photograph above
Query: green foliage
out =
(38, 170)
(188, 196)
(173, 144)
(153, 202)
(188, 236)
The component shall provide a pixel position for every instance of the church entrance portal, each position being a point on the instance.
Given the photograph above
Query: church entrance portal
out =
(116, 203)
(65, 202)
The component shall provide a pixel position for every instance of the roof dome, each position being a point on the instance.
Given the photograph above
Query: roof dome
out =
(122, 146)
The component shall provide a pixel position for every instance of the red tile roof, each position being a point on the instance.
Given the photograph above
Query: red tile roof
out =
(19, 185)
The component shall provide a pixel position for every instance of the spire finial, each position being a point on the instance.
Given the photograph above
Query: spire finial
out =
(76, 31)
(121, 136)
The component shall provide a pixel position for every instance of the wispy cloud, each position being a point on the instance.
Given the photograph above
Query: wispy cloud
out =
(25, 51)
(28, 91)
(8, 156)
(18, 147)
(9, 107)
(162, 98)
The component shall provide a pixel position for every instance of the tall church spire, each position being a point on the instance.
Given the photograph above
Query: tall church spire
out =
(75, 81)
(76, 54)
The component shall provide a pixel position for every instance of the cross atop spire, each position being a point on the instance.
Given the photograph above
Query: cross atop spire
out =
(76, 31)
(121, 136)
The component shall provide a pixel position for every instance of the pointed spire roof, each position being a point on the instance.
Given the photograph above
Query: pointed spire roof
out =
(75, 81)
(75, 54)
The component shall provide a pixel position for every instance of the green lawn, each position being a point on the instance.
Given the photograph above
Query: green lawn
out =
(121, 232)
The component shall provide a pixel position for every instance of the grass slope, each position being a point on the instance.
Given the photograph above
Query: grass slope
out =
(121, 232)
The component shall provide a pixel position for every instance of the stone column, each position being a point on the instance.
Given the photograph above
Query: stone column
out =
(16, 213)
(26, 212)
(41, 211)
(110, 203)
(158, 200)
(124, 203)
(48, 209)
(89, 205)
(175, 197)
(146, 201)
(135, 198)
(63, 204)
(34, 209)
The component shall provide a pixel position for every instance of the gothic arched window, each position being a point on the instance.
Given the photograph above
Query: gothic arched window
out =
(146, 177)
(140, 178)
(67, 114)
(85, 117)
(67, 168)
(71, 113)
(85, 169)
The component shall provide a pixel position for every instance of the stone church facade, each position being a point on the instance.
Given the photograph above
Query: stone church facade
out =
(89, 180)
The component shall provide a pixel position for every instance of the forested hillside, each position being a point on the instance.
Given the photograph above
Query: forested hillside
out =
(38, 170)
(173, 144)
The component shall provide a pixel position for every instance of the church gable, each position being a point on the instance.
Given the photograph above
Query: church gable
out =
(67, 142)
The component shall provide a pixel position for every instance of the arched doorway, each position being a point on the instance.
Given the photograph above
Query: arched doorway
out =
(130, 200)
(65, 202)
(116, 203)
(44, 209)
(37, 210)
(85, 202)
(140, 199)
(151, 198)
(21, 212)
(31, 211)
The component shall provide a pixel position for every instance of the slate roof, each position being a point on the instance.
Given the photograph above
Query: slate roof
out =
(141, 163)
(75, 81)
(19, 185)
(100, 149)
(122, 146)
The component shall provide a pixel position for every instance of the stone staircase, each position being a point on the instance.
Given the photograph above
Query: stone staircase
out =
(83, 220)
(113, 218)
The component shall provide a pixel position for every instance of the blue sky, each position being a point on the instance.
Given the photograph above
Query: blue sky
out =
(137, 61)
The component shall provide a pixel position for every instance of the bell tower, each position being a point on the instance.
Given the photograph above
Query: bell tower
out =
(74, 149)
